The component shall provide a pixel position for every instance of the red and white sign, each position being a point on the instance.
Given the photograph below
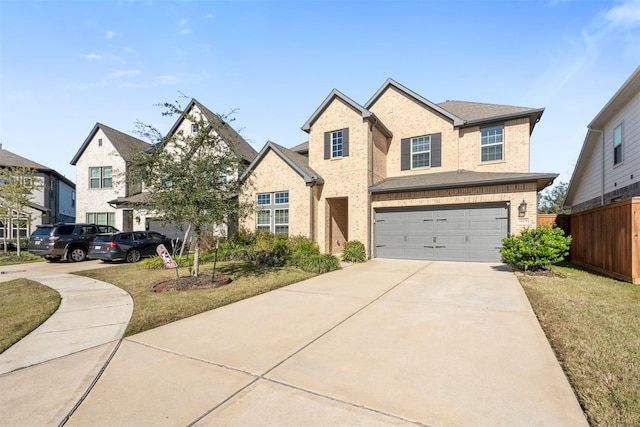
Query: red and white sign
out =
(166, 257)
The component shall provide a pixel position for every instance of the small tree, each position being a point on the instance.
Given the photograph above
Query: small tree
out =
(535, 248)
(552, 199)
(17, 185)
(190, 178)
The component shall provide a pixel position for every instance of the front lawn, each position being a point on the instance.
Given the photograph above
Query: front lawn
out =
(593, 325)
(11, 258)
(24, 305)
(156, 309)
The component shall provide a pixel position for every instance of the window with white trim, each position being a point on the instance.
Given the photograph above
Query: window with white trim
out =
(273, 212)
(421, 152)
(194, 128)
(492, 143)
(617, 144)
(101, 218)
(336, 144)
(101, 177)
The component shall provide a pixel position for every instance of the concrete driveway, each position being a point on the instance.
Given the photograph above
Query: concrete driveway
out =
(378, 344)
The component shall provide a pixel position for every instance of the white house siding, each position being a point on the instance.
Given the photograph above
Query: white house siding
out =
(590, 186)
(96, 199)
(619, 176)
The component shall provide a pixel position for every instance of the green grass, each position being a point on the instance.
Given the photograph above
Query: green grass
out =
(153, 309)
(593, 325)
(11, 258)
(24, 306)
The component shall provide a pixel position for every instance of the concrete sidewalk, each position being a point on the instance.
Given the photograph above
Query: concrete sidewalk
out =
(382, 343)
(46, 374)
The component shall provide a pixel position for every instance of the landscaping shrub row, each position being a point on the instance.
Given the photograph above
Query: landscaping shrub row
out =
(272, 250)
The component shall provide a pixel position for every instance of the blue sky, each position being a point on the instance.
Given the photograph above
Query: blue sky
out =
(65, 65)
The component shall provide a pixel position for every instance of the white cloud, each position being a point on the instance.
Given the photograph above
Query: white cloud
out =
(209, 16)
(168, 79)
(125, 73)
(90, 56)
(110, 34)
(625, 15)
(183, 23)
(186, 31)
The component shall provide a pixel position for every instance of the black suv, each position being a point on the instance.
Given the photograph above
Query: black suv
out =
(57, 241)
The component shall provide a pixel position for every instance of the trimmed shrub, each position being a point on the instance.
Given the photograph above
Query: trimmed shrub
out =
(302, 248)
(535, 248)
(271, 250)
(354, 251)
(319, 263)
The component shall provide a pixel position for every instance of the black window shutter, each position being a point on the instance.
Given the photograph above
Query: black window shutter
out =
(436, 150)
(327, 145)
(405, 154)
(345, 142)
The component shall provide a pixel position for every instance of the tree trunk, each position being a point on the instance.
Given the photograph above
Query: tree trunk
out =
(196, 257)
(184, 241)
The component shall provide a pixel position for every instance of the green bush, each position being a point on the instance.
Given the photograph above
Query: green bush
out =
(354, 251)
(319, 263)
(302, 248)
(535, 248)
(272, 250)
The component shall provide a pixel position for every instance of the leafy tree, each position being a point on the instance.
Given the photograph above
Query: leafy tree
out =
(190, 177)
(17, 185)
(551, 199)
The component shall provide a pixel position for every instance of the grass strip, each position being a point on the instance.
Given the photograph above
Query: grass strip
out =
(25, 306)
(593, 325)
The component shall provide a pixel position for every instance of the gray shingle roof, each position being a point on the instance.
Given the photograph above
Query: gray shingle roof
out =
(11, 160)
(301, 148)
(474, 112)
(126, 145)
(455, 179)
(238, 144)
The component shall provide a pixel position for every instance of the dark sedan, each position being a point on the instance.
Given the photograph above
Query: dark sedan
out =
(127, 245)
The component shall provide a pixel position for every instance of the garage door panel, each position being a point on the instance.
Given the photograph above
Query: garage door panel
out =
(469, 233)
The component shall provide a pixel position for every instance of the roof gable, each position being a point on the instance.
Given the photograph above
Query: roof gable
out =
(126, 145)
(238, 144)
(457, 121)
(335, 93)
(297, 162)
(474, 113)
(12, 160)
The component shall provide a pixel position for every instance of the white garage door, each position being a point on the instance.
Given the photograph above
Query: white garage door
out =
(457, 233)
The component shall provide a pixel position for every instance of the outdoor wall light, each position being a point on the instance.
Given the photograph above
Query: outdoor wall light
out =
(522, 209)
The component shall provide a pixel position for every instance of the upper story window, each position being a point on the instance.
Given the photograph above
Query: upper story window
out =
(99, 142)
(492, 143)
(101, 177)
(194, 127)
(420, 152)
(617, 144)
(336, 144)
(264, 199)
(282, 197)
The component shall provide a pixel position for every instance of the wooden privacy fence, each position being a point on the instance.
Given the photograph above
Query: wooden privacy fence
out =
(606, 239)
(560, 220)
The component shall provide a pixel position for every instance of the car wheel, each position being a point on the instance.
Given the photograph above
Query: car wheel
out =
(77, 255)
(133, 255)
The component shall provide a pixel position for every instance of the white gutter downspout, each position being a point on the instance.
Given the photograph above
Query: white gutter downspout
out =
(601, 133)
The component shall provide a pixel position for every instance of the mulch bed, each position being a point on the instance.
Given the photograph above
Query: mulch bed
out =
(190, 283)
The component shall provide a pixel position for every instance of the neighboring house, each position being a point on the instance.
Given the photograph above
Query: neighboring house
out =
(608, 168)
(102, 163)
(406, 177)
(54, 202)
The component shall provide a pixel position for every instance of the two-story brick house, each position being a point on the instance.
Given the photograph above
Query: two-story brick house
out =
(407, 177)
(106, 196)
